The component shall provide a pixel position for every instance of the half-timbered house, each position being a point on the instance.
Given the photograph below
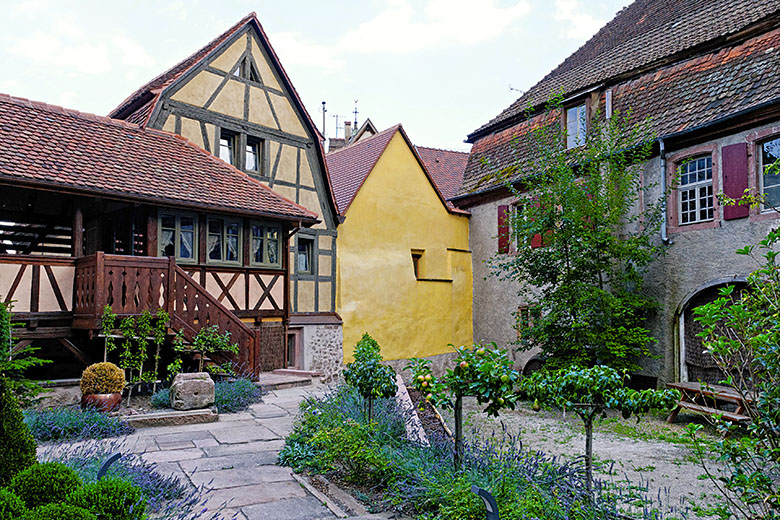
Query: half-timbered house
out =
(234, 99)
(96, 211)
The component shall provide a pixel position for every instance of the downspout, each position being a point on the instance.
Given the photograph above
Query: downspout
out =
(664, 237)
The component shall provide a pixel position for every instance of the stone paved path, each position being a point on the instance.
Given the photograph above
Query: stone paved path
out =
(235, 458)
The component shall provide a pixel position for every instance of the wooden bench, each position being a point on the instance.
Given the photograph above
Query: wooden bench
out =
(707, 399)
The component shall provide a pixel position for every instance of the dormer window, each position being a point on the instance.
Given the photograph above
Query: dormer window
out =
(576, 126)
(245, 69)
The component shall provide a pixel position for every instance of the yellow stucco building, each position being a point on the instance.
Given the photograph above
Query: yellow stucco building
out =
(404, 265)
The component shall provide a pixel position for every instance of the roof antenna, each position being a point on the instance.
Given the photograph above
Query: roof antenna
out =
(354, 127)
(511, 88)
(325, 111)
(337, 124)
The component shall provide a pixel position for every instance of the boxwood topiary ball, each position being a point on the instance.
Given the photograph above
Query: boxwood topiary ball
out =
(111, 498)
(11, 506)
(44, 483)
(59, 512)
(102, 378)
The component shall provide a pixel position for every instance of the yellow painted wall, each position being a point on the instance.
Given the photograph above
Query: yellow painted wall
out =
(395, 211)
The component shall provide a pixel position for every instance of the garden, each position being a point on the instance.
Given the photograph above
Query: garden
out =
(72, 462)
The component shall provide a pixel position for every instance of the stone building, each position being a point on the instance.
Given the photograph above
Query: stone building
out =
(234, 99)
(706, 74)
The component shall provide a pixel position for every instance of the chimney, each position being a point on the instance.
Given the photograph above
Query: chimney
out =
(347, 131)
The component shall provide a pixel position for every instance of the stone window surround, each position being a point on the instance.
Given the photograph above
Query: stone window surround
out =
(754, 140)
(672, 164)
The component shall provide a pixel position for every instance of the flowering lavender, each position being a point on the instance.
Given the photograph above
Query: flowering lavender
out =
(74, 424)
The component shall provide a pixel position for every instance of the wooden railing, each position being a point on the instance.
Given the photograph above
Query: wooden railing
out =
(131, 285)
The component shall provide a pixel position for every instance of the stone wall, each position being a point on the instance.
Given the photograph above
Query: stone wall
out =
(322, 348)
(693, 261)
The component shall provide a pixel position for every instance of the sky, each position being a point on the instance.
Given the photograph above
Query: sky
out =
(442, 68)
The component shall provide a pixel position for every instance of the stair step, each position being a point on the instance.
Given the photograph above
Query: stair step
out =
(273, 381)
(297, 372)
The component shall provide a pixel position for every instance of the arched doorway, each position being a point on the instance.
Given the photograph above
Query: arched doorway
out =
(695, 363)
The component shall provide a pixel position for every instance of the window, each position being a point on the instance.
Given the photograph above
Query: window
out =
(265, 244)
(177, 236)
(524, 319)
(304, 257)
(227, 147)
(416, 261)
(694, 191)
(245, 69)
(223, 241)
(576, 126)
(254, 155)
(770, 170)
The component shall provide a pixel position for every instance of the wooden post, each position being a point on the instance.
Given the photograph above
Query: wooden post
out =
(78, 234)
(458, 431)
(151, 233)
(100, 284)
(170, 291)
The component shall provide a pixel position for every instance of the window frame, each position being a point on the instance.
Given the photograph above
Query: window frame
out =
(764, 210)
(259, 145)
(233, 139)
(250, 236)
(586, 122)
(177, 234)
(694, 187)
(673, 163)
(308, 243)
(225, 221)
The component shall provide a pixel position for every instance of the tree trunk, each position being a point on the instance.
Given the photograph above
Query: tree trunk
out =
(589, 452)
(458, 431)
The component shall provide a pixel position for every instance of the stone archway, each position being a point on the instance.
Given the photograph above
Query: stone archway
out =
(694, 363)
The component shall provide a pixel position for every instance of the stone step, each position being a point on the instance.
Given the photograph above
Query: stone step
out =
(300, 373)
(272, 381)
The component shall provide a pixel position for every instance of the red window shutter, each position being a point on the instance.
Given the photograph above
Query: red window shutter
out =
(503, 228)
(536, 241)
(735, 178)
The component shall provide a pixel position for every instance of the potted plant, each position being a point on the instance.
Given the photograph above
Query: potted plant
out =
(101, 387)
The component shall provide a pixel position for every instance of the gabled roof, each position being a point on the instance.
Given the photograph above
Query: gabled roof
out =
(446, 168)
(350, 167)
(685, 94)
(644, 35)
(52, 147)
(140, 105)
(367, 126)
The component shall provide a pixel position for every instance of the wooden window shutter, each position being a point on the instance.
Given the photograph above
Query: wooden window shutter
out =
(503, 228)
(536, 240)
(735, 178)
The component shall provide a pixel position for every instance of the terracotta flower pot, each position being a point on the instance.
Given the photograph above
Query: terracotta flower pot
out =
(102, 402)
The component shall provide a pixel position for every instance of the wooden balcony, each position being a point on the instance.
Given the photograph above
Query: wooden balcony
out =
(132, 285)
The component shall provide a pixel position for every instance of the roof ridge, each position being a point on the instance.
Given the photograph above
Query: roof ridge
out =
(441, 149)
(216, 159)
(354, 146)
(57, 109)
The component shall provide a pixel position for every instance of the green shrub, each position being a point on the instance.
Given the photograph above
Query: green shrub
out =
(59, 512)
(112, 499)
(102, 378)
(74, 424)
(11, 506)
(235, 396)
(354, 448)
(367, 373)
(162, 398)
(17, 446)
(44, 484)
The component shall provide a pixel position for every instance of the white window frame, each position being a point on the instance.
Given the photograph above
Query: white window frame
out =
(695, 187)
(577, 114)
(762, 168)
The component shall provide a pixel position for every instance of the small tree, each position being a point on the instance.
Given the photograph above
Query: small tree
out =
(580, 244)
(17, 445)
(372, 379)
(15, 360)
(208, 340)
(589, 392)
(485, 373)
(741, 331)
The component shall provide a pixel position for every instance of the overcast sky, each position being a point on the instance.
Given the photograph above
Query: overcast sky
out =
(442, 68)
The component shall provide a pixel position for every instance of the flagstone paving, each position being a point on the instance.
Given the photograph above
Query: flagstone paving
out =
(235, 458)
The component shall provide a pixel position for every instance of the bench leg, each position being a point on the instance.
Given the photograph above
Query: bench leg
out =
(673, 416)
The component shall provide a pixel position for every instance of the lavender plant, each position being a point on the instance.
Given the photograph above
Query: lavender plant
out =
(74, 424)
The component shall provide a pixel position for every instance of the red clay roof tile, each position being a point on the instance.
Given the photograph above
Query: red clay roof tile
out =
(47, 145)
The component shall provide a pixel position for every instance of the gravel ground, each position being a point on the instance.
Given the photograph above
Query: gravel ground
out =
(650, 453)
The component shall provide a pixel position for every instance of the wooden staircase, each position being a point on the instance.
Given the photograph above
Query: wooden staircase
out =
(132, 285)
